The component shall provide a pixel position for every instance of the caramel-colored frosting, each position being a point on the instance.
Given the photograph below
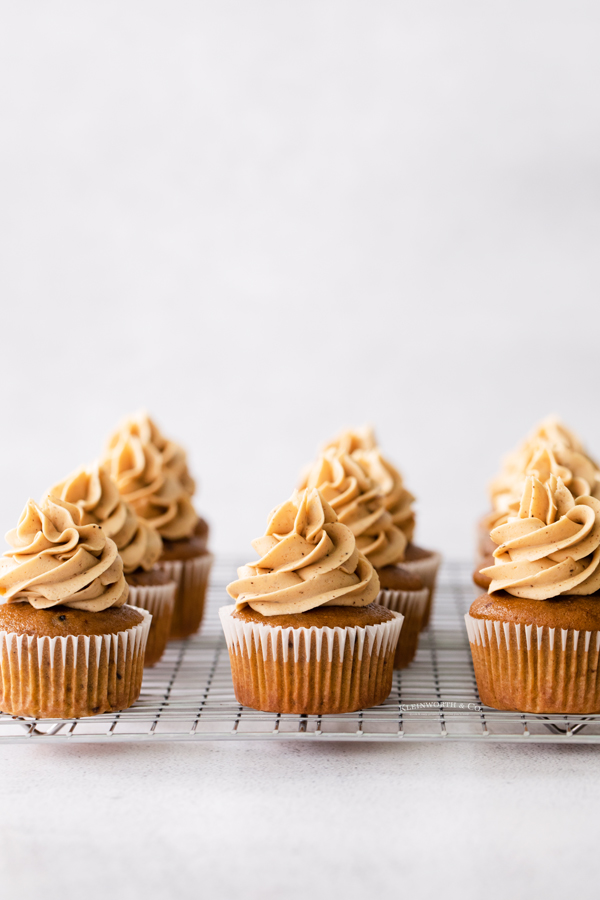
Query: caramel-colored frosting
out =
(57, 560)
(96, 494)
(155, 493)
(307, 559)
(362, 445)
(551, 547)
(358, 503)
(173, 456)
(550, 450)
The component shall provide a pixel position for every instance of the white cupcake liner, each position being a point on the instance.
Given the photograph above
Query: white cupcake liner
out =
(426, 569)
(191, 578)
(534, 668)
(412, 605)
(72, 676)
(159, 600)
(310, 670)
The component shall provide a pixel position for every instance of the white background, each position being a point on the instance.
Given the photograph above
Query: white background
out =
(265, 221)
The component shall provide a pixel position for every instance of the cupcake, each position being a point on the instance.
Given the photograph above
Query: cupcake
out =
(359, 504)
(535, 636)
(551, 449)
(151, 474)
(69, 646)
(97, 496)
(305, 635)
(362, 445)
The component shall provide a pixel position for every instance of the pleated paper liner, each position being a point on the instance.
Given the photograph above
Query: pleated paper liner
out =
(412, 605)
(68, 677)
(315, 670)
(535, 669)
(191, 578)
(426, 569)
(159, 600)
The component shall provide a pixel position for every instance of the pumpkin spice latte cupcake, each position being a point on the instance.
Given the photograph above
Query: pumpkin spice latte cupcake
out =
(305, 635)
(362, 445)
(151, 474)
(535, 636)
(359, 504)
(97, 496)
(69, 646)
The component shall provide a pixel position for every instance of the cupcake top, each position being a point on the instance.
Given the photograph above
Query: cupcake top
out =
(362, 445)
(155, 493)
(307, 559)
(173, 456)
(359, 504)
(96, 494)
(57, 560)
(551, 449)
(551, 548)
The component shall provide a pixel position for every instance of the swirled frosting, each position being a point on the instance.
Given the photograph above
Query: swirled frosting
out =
(552, 547)
(96, 494)
(358, 503)
(362, 445)
(173, 456)
(57, 560)
(307, 559)
(550, 450)
(156, 495)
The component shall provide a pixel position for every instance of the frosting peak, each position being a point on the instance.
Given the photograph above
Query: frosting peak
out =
(57, 560)
(551, 547)
(173, 456)
(362, 445)
(551, 449)
(155, 493)
(307, 559)
(359, 504)
(96, 494)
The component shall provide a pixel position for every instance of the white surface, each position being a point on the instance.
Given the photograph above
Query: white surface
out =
(265, 221)
(263, 822)
(268, 220)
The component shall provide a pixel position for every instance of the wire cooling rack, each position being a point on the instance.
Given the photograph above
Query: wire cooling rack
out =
(188, 695)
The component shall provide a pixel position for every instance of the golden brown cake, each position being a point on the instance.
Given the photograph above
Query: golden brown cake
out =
(151, 473)
(92, 489)
(155, 592)
(304, 635)
(535, 637)
(69, 646)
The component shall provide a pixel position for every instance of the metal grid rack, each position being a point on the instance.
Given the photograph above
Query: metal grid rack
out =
(188, 696)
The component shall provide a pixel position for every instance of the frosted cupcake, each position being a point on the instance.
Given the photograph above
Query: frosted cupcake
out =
(359, 504)
(535, 637)
(69, 646)
(151, 474)
(362, 446)
(550, 450)
(305, 635)
(97, 496)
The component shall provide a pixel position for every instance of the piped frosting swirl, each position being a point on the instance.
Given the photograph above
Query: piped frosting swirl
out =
(362, 445)
(307, 559)
(154, 492)
(96, 494)
(551, 449)
(359, 504)
(551, 548)
(173, 456)
(57, 560)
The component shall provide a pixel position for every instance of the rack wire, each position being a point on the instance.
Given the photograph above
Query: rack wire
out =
(188, 695)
